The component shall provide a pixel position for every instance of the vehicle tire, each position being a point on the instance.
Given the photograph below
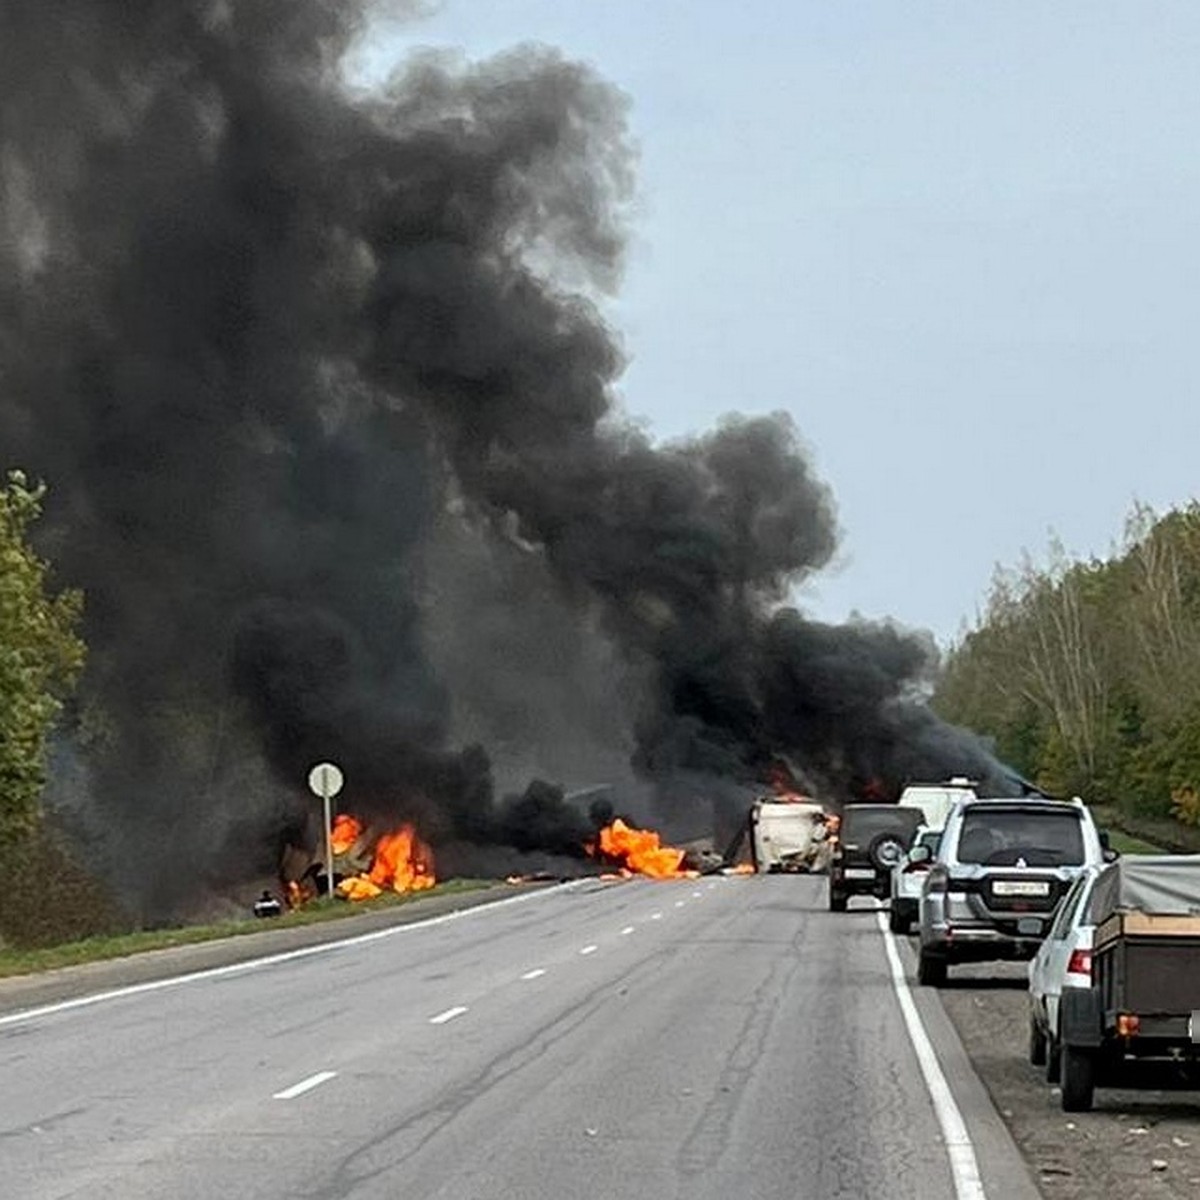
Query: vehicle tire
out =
(1078, 1079)
(931, 970)
(837, 901)
(1037, 1043)
(886, 850)
(1053, 1060)
(898, 923)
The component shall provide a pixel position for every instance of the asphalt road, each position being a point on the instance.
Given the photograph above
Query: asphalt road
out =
(718, 1038)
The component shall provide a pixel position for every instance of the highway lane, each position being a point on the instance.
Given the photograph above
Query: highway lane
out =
(706, 1039)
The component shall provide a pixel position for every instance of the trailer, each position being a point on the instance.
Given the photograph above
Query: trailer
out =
(1138, 1025)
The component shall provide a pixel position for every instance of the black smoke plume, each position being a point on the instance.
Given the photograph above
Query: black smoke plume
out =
(324, 397)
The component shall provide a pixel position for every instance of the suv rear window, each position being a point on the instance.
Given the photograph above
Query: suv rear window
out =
(861, 824)
(1041, 837)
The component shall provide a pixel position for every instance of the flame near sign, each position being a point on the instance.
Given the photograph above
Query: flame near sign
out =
(400, 862)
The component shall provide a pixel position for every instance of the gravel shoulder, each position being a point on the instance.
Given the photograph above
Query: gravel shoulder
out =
(1118, 1150)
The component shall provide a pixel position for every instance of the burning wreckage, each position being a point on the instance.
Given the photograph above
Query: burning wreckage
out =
(368, 863)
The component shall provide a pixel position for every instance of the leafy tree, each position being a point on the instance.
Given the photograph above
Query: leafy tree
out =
(1087, 674)
(41, 655)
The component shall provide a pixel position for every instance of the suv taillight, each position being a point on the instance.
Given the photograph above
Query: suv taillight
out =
(1080, 963)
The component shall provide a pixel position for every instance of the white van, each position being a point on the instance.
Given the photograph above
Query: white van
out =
(788, 835)
(936, 800)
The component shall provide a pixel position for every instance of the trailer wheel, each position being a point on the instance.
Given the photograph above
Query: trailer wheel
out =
(898, 923)
(1078, 1071)
(931, 970)
(837, 901)
(1037, 1043)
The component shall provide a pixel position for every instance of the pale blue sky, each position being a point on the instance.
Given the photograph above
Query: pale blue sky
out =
(958, 241)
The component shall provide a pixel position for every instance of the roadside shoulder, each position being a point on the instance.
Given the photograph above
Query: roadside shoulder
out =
(67, 983)
(1002, 1167)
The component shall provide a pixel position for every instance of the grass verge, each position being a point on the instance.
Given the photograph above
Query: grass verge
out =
(1155, 835)
(1124, 843)
(97, 949)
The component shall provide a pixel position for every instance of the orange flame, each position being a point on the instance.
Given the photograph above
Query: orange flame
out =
(402, 863)
(641, 851)
(345, 832)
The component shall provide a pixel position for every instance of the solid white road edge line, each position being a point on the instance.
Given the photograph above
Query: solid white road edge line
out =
(536, 973)
(964, 1168)
(448, 1015)
(305, 1085)
(269, 960)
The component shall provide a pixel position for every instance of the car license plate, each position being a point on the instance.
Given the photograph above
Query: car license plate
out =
(859, 873)
(1021, 887)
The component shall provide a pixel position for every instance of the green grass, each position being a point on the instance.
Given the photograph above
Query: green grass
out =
(1133, 834)
(71, 954)
(1125, 843)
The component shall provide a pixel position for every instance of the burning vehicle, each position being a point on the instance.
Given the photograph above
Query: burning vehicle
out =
(366, 863)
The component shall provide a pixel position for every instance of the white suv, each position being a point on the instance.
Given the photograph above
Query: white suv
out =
(1002, 868)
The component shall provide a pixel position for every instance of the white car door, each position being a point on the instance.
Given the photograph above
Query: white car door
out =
(1059, 946)
(1050, 963)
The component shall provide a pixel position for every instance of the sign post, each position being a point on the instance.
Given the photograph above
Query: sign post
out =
(325, 780)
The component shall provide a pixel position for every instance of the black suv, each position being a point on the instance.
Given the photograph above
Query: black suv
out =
(871, 841)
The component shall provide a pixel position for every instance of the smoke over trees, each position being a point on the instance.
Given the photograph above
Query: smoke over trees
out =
(298, 361)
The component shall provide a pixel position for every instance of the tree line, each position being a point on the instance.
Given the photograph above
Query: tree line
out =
(1086, 673)
(46, 895)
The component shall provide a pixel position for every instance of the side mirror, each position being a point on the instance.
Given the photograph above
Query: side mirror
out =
(920, 854)
(1111, 855)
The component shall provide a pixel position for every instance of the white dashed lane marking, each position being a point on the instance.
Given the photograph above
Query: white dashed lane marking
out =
(656, 916)
(448, 1015)
(536, 973)
(305, 1085)
(627, 930)
(589, 950)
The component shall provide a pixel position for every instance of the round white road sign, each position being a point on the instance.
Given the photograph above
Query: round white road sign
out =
(325, 780)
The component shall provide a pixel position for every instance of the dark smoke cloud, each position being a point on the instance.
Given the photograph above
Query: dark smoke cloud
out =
(306, 371)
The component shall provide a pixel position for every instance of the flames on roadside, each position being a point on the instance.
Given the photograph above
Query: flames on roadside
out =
(640, 852)
(367, 864)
